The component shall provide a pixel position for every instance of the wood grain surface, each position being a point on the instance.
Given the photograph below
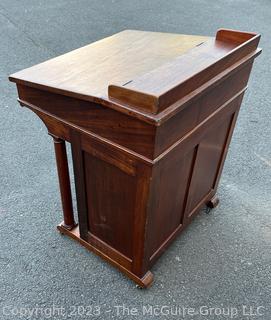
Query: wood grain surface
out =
(150, 156)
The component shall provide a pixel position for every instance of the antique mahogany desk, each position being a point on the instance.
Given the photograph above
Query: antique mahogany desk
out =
(149, 117)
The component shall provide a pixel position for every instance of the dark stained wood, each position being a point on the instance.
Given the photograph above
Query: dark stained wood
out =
(213, 202)
(195, 112)
(104, 185)
(170, 185)
(163, 86)
(141, 219)
(195, 162)
(144, 282)
(64, 183)
(85, 73)
(126, 131)
(80, 185)
(207, 163)
(234, 36)
(150, 117)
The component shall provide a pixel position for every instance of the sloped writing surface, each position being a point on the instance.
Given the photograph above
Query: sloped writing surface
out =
(159, 88)
(86, 72)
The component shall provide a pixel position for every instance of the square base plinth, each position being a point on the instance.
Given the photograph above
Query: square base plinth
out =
(144, 282)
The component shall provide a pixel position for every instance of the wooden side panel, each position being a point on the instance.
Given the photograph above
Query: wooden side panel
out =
(208, 160)
(170, 186)
(107, 123)
(112, 190)
(110, 200)
(186, 178)
(198, 110)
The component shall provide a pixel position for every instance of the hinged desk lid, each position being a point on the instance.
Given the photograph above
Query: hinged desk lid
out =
(141, 71)
(88, 71)
(158, 89)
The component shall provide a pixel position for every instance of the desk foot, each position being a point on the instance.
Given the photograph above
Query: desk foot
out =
(66, 226)
(146, 281)
(143, 282)
(213, 202)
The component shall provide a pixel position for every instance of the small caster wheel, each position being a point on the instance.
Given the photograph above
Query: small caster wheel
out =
(60, 230)
(139, 287)
(212, 203)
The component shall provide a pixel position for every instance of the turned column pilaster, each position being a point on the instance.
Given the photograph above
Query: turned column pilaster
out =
(64, 183)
